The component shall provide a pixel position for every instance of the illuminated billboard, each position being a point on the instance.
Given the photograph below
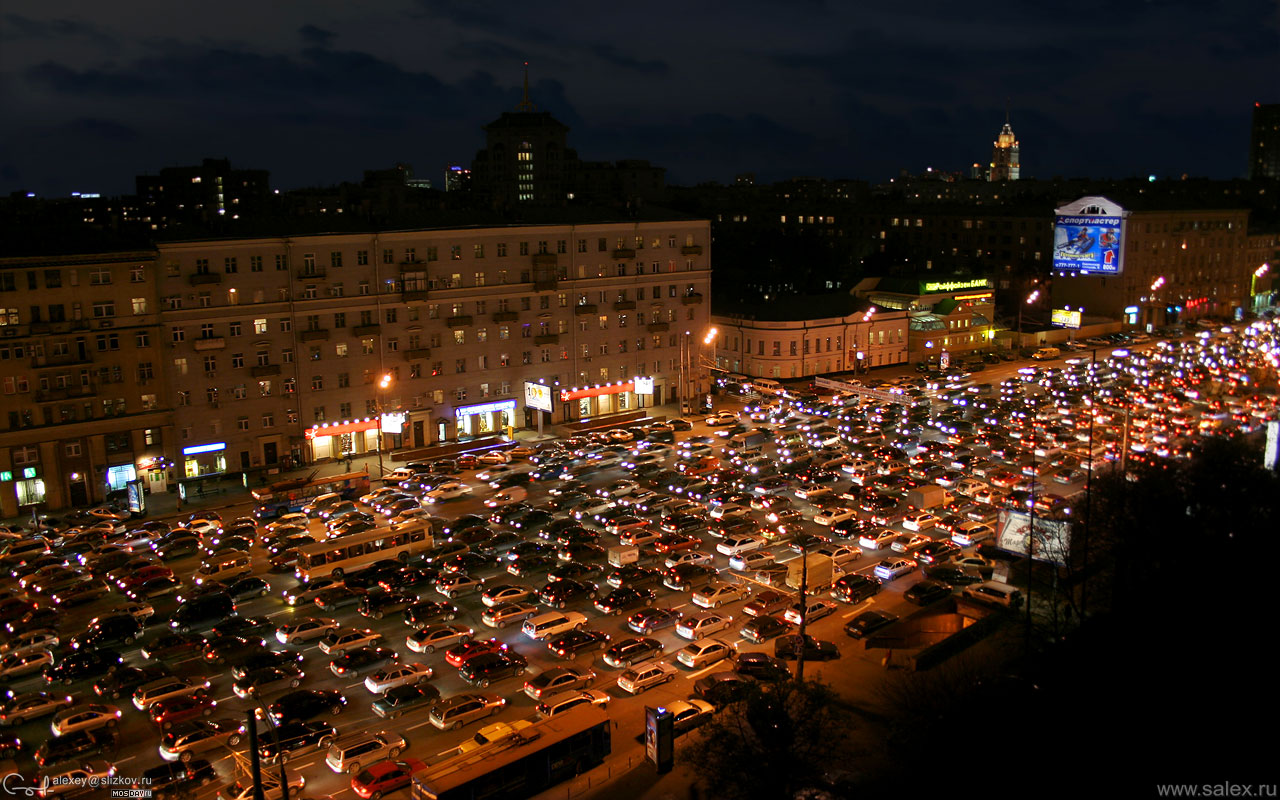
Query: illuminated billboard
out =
(1049, 542)
(537, 395)
(1088, 237)
(1064, 317)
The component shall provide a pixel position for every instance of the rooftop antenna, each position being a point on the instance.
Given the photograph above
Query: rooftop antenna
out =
(525, 105)
(1006, 100)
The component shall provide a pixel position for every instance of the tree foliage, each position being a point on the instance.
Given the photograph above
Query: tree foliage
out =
(775, 741)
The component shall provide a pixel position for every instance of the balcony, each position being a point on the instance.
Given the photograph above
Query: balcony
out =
(544, 284)
(584, 309)
(623, 253)
(624, 305)
(211, 343)
(506, 316)
(547, 338)
(263, 370)
(464, 321)
(658, 327)
(367, 330)
(64, 393)
(68, 360)
(691, 300)
(313, 274)
(691, 250)
(409, 295)
(417, 353)
(201, 278)
(319, 334)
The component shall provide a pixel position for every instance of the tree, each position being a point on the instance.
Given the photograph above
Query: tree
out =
(776, 740)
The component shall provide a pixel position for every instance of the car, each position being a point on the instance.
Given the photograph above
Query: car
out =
(761, 666)
(459, 653)
(221, 649)
(882, 537)
(891, 569)
(714, 595)
(362, 659)
(632, 650)
(304, 704)
(831, 514)
(85, 717)
(955, 575)
(306, 629)
(269, 679)
(425, 612)
(395, 675)
(869, 622)
(243, 788)
(634, 576)
(854, 588)
(485, 669)
(552, 623)
(400, 700)
(688, 557)
(648, 620)
(167, 713)
(570, 643)
(380, 604)
(463, 709)
(503, 593)
(927, 591)
(624, 598)
(919, 521)
(686, 576)
(26, 662)
(69, 780)
(558, 679)
(909, 543)
(438, 636)
(81, 744)
(384, 777)
(172, 647)
(788, 647)
(183, 742)
(508, 613)
(263, 659)
(340, 641)
(937, 551)
(644, 677)
(18, 709)
(740, 544)
(815, 609)
(703, 624)
(169, 780)
(689, 714)
(762, 628)
(290, 739)
(705, 652)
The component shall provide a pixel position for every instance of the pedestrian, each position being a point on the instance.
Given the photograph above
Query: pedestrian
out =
(348, 467)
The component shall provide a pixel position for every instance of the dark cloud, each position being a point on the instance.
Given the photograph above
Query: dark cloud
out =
(20, 27)
(316, 37)
(488, 51)
(102, 130)
(610, 55)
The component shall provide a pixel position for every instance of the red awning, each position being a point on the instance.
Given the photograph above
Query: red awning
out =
(341, 427)
(577, 394)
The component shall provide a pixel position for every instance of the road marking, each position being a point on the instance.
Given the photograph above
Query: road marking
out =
(419, 725)
(354, 685)
(123, 760)
(858, 608)
(282, 611)
(702, 671)
(227, 698)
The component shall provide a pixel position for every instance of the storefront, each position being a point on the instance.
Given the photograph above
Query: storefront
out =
(341, 439)
(28, 486)
(119, 475)
(204, 459)
(485, 419)
(155, 470)
(609, 398)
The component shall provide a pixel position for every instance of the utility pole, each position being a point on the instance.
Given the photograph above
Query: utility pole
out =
(255, 763)
(804, 617)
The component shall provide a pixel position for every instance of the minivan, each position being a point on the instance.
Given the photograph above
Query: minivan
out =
(351, 752)
(994, 593)
(767, 386)
(222, 566)
(551, 623)
(1045, 353)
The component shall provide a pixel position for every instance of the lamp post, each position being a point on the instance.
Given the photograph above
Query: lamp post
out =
(382, 387)
(710, 339)
(867, 319)
(1155, 287)
(1031, 298)
(1253, 283)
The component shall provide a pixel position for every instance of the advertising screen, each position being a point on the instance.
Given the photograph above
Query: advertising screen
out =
(1049, 542)
(537, 395)
(1087, 244)
(1064, 317)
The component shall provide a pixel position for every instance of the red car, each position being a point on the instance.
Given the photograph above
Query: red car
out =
(676, 543)
(385, 776)
(455, 656)
(168, 713)
(141, 576)
(467, 461)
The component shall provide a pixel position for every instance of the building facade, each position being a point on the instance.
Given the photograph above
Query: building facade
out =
(1006, 162)
(946, 316)
(86, 400)
(1264, 142)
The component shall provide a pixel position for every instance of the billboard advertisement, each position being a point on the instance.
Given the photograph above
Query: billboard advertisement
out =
(1049, 542)
(537, 395)
(1064, 318)
(1087, 243)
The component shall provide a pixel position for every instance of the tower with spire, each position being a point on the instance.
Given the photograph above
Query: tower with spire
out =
(1004, 154)
(525, 159)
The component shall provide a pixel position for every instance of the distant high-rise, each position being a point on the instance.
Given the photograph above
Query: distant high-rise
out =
(1264, 143)
(208, 193)
(1004, 156)
(457, 178)
(524, 159)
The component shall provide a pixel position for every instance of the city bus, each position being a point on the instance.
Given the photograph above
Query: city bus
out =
(336, 557)
(523, 762)
(288, 496)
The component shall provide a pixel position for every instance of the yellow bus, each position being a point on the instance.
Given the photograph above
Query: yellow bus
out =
(336, 557)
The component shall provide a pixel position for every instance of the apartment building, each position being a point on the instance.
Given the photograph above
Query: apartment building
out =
(296, 349)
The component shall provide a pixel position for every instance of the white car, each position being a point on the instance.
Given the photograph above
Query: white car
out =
(705, 652)
(813, 492)
(817, 609)
(741, 544)
(293, 518)
(688, 557)
(493, 473)
(619, 489)
(704, 624)
(722, 418)
(919, 521)
(839, 554)
(730, 511)
(85, 717)
(304, 630)
(67, 779)
(43, 639)
(751, 560)
(242, 789)
(495, 457)
(714, 595)
(970, 533)
(398, 675)
(447, 491)
(878, 539)
(968, 486)
(515, 494)
(26, 662)
(894, 568)
(830, 515)
(140, 611)
(909, 543)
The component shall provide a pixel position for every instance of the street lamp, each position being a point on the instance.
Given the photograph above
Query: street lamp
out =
(382, 387)
(710, 339)
(1155, 287)
(867, 319)
(1253, 282)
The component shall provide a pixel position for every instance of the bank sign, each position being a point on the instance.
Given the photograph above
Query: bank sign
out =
(1087, 243)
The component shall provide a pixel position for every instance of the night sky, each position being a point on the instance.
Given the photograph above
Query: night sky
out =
(318, 91)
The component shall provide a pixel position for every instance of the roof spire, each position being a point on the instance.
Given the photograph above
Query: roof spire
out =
(1006, 103)
(525, 105)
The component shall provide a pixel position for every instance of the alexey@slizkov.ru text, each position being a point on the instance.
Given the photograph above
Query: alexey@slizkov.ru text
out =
(120, 786)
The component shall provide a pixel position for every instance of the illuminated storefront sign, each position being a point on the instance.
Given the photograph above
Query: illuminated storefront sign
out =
(931, 287)
(485, 408)
(204, 448)
(596, 391)
(643, 385)
(393, 423)
(340, 428)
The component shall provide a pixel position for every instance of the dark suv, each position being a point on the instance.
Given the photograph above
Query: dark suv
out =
(486, 668)
(293, 737)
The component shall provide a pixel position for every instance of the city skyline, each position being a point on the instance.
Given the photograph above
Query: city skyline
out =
(317, 94)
